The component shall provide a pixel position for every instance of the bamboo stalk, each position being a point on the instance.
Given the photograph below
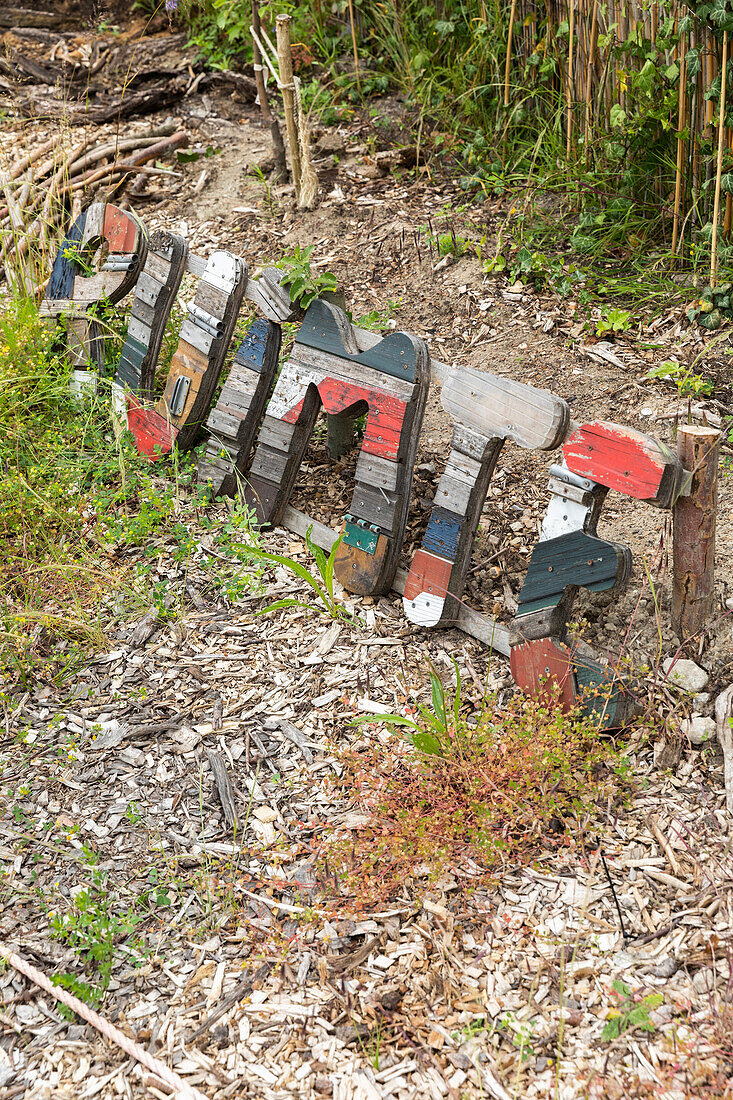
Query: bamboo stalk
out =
(353, 42)
(285, 64)
(588, 75)
(507, 66)
(728, 219)
(680, 123)
(570, 81)
(719, 168)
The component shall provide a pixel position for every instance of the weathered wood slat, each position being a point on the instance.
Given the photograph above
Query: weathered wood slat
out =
(575, 560)
(435, 589)
(493, 406)
(625, 460)
(242, 405)
(223, 270)
(382, 473)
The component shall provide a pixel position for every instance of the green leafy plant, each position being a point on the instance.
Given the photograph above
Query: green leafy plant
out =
(613, 320)
(301, 282)
(92, 926)
(326, 601)
(632, 1012)
(484, 790)
(437, 724)
(685, 380)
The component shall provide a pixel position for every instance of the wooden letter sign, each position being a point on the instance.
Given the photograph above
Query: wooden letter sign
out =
(196, 364)
(389, 381)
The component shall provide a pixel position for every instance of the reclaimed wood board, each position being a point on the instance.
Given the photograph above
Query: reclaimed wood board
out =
(626, 460)
(575, 560)
(234, 422)
(546, 669)
(151, 306)
(197, 361)
(438, 572)
(493, 406)
(389, 381)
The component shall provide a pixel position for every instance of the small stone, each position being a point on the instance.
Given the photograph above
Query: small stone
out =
(685, 674)
(698, 729)
(666, 968)
(701, 699)
(729, 604)
(265, 813)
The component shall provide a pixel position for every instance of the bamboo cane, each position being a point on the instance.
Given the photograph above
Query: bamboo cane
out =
(285, 64)
(571, 33)
(680, 123)
(719, 169)
(589, 74)
(507, 66)
(353, 42)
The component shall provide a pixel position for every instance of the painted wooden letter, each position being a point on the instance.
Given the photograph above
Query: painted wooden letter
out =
(487, 410)
(205, 336)
(234, 422)
(155, 293)
(389, 381)
(71, 290)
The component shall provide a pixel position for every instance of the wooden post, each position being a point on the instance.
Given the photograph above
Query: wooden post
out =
(285, 65)
(278, 146)
(693, 573)
(719, 167)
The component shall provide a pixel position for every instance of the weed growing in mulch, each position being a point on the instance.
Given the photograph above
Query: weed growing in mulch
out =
(517, 780)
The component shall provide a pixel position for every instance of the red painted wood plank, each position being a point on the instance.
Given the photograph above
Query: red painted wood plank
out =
(622, 459)
(428, 573)
(385, 415)
(120, 231)
(153, 433)
(540, 664)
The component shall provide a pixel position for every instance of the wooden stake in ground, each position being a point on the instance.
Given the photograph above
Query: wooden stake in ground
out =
(719, 170)
(268, 117)
(287, 86)
(680, 124)
(507, 66)
(693, 573)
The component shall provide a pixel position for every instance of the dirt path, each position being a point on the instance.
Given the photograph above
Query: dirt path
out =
(108, 785)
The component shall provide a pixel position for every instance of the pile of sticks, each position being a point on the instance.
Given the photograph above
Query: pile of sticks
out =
(43, 187)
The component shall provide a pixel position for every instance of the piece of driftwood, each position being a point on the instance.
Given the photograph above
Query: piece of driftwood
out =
(234, 422)
(197, 361)
(223, 786)
(693, 571)
(389, 381)
(28, 17)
